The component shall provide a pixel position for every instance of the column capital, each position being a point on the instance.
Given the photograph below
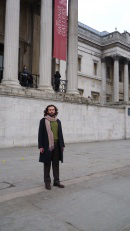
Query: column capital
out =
(126, 60)
(103, 59)
(116, 57)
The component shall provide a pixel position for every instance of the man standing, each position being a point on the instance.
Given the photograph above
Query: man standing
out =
(51, 145)
(57, 77)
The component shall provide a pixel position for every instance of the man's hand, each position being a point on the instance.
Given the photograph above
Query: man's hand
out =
(41, 150)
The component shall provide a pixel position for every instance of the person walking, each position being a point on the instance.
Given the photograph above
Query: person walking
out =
(51, 145)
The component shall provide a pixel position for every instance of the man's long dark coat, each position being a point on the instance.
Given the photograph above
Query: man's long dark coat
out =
(43, 142)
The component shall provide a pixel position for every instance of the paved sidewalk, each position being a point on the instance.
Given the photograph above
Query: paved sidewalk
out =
(96, 196)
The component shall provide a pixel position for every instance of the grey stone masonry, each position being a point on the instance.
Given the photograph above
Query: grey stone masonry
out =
(103, 82)
(72, 63)
(11, 44)
(116, 79)
(45, 46)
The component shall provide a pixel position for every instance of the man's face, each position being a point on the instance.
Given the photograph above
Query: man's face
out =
(51, 111)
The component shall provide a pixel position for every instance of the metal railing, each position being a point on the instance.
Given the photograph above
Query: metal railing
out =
(59, 87)
(28, 80)
(32, 80)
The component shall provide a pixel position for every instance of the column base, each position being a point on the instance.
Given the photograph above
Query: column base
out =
(46, 88)
(116, 101)
(103, 100)
(126, 100)
(73, 92)
(11, 83)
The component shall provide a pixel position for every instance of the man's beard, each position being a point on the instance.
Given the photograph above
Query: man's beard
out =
(52, 115)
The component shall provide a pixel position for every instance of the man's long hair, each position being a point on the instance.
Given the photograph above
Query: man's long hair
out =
(46, 110)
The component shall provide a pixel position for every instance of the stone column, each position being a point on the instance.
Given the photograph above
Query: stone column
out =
(72, 62)
(45, 65)
(103, 82)
(11, 43)
(116, 79)
(126, 82)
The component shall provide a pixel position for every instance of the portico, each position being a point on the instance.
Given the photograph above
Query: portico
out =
(119, 78)
(11, 45)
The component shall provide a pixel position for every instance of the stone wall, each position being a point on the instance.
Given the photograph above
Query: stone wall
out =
(89, 84)
(21, 110)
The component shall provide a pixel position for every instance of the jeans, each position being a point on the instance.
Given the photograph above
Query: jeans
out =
(55, 165)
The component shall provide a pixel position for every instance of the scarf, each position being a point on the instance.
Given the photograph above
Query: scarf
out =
(48, 119)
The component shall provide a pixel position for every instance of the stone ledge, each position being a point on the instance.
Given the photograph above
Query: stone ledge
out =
(61, 97)
(89, 76)
(38, 94)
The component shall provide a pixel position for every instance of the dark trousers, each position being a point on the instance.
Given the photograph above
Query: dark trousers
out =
(55, 165)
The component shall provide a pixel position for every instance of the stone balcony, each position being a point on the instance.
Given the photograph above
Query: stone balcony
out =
(103, 38)
(116, 37)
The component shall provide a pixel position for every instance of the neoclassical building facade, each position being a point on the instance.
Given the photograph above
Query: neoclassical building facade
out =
(98, 69)
(104, 65)
(95, 105)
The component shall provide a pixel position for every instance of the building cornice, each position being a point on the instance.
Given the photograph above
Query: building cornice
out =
(89, 42)
(107, 41)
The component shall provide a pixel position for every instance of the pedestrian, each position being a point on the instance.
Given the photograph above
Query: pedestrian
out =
(51, 145)
(57, 77)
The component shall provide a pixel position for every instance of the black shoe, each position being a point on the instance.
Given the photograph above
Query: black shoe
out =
(59, 185)
(48, 186)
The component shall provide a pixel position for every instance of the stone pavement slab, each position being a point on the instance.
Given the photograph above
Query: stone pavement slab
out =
(96, 196)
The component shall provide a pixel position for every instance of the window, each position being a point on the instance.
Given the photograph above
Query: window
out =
(95, 68)
(79, 63)
(108, 98)
(95, 96)
(121, 97)
(81, 91)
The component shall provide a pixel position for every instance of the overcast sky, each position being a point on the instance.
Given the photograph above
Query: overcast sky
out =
(105, 14)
